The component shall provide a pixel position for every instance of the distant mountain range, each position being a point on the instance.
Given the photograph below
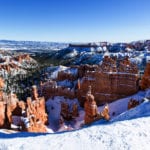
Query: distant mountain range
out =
(30, 45)
(81, 53)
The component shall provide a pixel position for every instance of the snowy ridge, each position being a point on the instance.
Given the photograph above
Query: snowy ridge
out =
(142, 110)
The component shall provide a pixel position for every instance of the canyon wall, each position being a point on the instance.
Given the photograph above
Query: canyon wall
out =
(110, 80)
(107, 87)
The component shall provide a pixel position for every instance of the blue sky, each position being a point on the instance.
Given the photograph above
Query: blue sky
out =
(75, 20)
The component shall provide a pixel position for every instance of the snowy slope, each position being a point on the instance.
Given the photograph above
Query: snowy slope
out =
(127, 130)
(126, 134)
(118, 107)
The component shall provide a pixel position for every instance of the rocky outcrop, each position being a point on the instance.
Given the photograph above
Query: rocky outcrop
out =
(69, 112)
(2, 114)
(90, 108)
(65, 75)
(109, 82)
(12, 64)
(133, 103)
(22, 57)
(30, 116)
(91, 111)
(75, 111)
(145, 82)
(50, 89)
(65, 113)
(36, 115)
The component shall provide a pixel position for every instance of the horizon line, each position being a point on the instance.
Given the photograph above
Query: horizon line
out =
(67, 42)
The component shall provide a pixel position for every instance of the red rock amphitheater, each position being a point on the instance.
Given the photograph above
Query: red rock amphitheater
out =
(111, 80)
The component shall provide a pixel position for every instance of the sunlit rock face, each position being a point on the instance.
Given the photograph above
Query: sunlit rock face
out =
(2, 114)
(28, 116)
(145, 82)
(36, 114)
(50, 89)
(91, 110)
(109, 81)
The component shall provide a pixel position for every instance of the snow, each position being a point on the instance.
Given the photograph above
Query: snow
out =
(54, 107)
(72, 54)
(126, 134)
(58, 69)
(65, 83)
(62, 68)
(128, 129)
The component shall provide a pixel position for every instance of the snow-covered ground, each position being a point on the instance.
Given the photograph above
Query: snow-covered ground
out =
(129, 134)
(116, 108)
(128, 129)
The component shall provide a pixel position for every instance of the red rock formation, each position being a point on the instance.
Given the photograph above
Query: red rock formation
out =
(1, 88)
(50, 89)
(105, 113)
(2, 114)
(145, 82)
(31, 117)
(90, 108)
(110, 80)
(133, 103)
(36, 114)
(22, 57)
(108, 84)
(69, 112)
(75, 112)
(65, 75)
(83, 69)
(65, 113)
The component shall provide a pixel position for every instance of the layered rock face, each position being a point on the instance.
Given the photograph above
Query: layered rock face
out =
(109, 81)
(145, 82)
(50, 89)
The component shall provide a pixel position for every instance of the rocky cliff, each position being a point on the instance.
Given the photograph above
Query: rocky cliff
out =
(109, 81)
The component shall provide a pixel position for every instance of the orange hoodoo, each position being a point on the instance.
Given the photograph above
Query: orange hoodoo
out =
(90, 108)
(145, 82)
(105, 113)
